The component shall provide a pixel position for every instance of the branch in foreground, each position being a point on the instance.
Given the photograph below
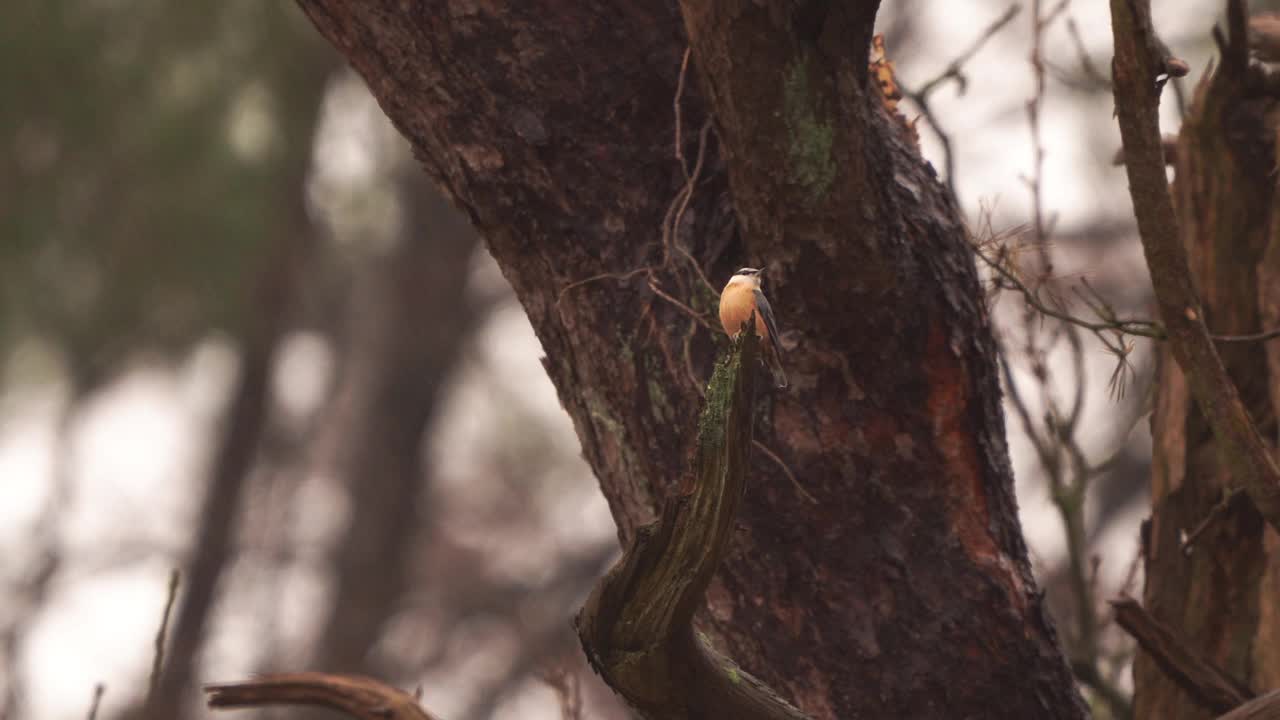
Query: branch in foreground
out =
(637, 626)
(360, 697)
(1266, 707)
(1209, 685)
(1137, 98)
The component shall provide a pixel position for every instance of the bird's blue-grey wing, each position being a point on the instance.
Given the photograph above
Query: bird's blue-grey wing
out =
(766, 312)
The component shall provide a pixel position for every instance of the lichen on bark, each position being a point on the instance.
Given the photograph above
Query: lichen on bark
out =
(810, 131)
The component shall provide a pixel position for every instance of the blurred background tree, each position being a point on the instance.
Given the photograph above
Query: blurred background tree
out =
(200, 201)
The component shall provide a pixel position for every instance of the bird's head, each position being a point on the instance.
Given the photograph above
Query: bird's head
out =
(750, 276)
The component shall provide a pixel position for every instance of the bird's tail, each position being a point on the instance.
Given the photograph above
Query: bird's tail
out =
(774, 361)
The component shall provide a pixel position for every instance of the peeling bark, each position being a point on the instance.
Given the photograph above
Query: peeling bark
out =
(905, 591)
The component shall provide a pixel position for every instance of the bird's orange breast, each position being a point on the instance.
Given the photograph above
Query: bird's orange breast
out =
(737, 302)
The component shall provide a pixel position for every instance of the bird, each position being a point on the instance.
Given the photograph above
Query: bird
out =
(741, 296)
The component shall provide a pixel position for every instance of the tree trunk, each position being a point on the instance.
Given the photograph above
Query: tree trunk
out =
(904, 589)
(1221, 595)
(402, 357)
(266, 318)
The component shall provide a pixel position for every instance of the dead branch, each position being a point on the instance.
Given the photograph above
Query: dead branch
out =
(1209, 685)
(1137, 69)
(1266, 707)
(637, 626)
(98, 691)
(157, 660)
(360, 697)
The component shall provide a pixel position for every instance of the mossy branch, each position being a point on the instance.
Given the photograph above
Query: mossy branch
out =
(637, 626)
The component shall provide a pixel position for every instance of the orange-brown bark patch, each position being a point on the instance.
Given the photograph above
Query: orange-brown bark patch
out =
(948, 403)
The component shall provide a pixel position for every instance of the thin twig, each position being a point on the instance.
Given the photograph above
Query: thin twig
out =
(98, 691)
(944, 139)
(687, 352)
(690, 184)
(1086, 63)
(684, 308)
(1188, 541)
(1255, 337)
(1127, 326)
(620, 277)
(1150, 329)
(955, 68)
(675, 106)
(955, 71)
(785, 470)
(157, 661)
(672, 218)
(1055, 440)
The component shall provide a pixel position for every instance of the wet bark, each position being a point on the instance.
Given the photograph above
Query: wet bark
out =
(904, 590)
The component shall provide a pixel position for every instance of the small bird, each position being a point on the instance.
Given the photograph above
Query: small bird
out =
(742, 296)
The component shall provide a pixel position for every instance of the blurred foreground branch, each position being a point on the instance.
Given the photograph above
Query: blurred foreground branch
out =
(360, 697)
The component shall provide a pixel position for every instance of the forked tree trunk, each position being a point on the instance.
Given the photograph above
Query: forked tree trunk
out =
(904, 590)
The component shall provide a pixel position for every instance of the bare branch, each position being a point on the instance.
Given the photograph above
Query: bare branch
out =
(1266, 707)
(1137, 98)
(360, 697)
(1209, 685)
(98, 691)
(955, 71)
(1215, 513)
(157, 660)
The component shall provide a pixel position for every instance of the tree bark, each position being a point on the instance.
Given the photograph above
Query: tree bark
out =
(1218, 594)
(904, 591)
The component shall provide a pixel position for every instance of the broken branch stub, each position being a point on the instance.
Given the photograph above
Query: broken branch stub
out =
(637, 626)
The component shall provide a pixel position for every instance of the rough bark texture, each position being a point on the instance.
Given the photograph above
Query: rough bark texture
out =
(1219, 597)
(905, 590)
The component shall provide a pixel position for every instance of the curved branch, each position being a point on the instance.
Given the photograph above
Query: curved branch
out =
(360, 697)
(1137, 98)
(637, 626)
